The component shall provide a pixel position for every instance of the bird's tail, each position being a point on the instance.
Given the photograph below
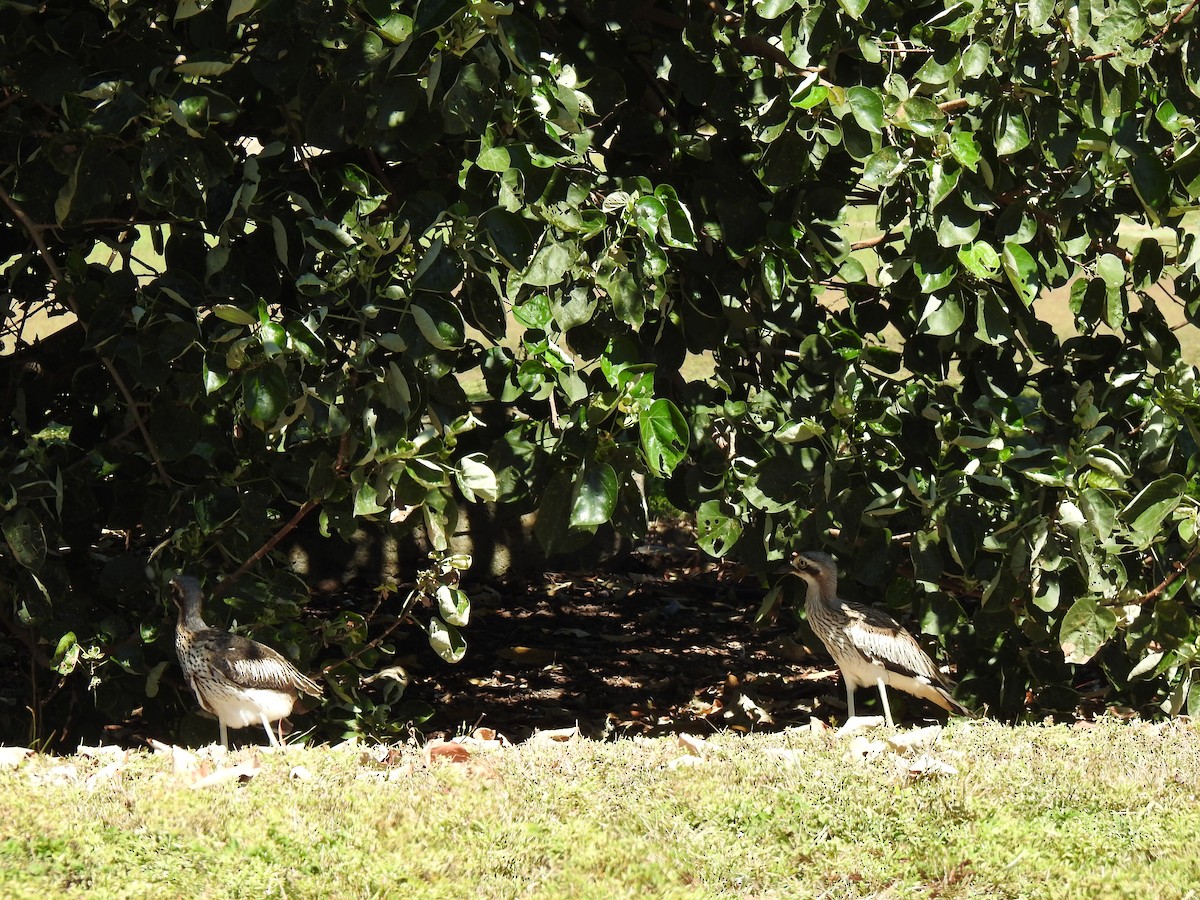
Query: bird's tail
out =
(947, 702)
(939, 694)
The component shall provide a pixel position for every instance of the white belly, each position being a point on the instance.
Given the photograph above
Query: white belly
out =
(249, 706)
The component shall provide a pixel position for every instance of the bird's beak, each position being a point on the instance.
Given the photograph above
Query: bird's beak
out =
(786, 568)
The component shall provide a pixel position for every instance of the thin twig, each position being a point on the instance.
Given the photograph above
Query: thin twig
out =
(35, 234)
(375, 642)
(223, 588)
(875, 241)
(1166, 582)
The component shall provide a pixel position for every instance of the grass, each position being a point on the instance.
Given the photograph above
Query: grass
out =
(1031, 812)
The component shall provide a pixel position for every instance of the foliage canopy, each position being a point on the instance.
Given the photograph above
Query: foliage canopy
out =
(379, 260)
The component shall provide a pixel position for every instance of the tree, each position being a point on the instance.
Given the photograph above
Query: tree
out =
(296, 236)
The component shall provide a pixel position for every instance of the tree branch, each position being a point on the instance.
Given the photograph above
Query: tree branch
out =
(1180, 568)
(223, 588)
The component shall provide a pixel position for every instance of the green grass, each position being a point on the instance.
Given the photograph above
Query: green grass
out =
(1032, 812)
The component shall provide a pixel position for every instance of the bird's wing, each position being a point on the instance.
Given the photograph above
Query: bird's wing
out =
(249, 664)
(884, 641)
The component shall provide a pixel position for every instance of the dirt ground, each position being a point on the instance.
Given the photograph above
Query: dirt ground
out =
(662, 642)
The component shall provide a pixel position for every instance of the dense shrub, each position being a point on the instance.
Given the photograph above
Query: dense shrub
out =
(312, 247)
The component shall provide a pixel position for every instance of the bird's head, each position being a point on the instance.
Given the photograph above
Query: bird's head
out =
(185, 591)
(817, 569)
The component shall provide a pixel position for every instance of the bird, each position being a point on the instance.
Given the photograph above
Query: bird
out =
(239, 680)
(868, 645)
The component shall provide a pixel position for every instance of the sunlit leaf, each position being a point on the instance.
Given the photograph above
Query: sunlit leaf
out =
(665, 436)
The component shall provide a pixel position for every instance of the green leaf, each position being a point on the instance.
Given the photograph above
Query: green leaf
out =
(809, 96)
(647, 211)
(266, 394)
(798, 432)
(1022, 272)
(476, 479)
(1145, 513)
(439, 321)
(550, 264)
(25, 538)
(366, 500)
(773, 9)
(234, 314)
(981, 259)
(867, 107)
(629, 304)
(920, 116)
(1150, 180)
(665, 436)
(454, 606)
(593, 495)
(1099, 510)
(240, 8)
(1085, 628)
(432, 14)
(446, 640)
(934, 270)
(509, 235)
(942, 316)
(883, 167)
(494, 159)
(965, 149)
(716, 532)
(66, 654)
(975, 60)
(534, 312)
(854, 8)
(1012, 132)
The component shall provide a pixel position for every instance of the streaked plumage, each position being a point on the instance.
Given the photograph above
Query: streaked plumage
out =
(240, 681)
(868, 645)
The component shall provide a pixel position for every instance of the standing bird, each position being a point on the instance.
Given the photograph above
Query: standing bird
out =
(868, 645)
(240, 681)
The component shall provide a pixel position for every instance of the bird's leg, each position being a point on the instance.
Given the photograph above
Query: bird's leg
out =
(270, 734)
(224, 734)
(887, 710)
(849, 700)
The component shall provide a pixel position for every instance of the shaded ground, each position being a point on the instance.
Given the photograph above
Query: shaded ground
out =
(664, 642)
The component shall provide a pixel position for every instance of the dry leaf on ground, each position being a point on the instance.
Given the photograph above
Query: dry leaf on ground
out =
(916, 739)
(439, 750)
(242, 772)
(11, 757)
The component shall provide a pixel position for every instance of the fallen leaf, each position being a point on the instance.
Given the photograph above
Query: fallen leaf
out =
(60, 775)
(556, 734)
(299, 773)
(862, 747)
(382, 755)
(242, 772)
(446, 751)
(859, 725)
(11, 757)
(917, 739)
(925, 766)
(107, 773)
(692, 744)
(532, 656)
(782, 753)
